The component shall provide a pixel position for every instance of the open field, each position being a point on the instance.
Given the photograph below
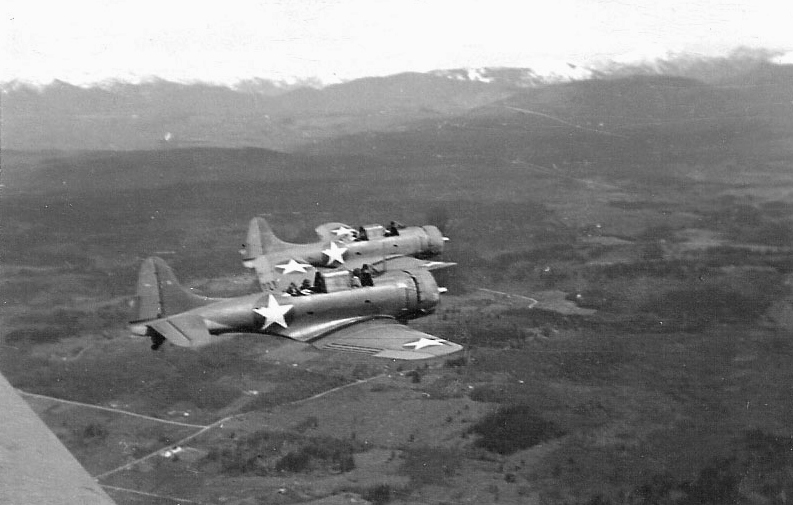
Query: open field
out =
(643, 359)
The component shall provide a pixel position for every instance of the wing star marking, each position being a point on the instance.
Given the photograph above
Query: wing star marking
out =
(293, 266)
(422, 343)
(273, 313)
(343, 231)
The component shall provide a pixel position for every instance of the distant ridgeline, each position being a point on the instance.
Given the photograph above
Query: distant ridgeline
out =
(161, 114)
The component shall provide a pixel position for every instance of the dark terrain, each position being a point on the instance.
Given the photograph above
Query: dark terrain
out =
(650, 216)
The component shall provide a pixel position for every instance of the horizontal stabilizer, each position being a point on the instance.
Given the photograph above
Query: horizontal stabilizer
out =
(187, 330)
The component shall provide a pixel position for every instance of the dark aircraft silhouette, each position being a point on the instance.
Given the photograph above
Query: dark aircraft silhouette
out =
(330, 315)
(277, 263)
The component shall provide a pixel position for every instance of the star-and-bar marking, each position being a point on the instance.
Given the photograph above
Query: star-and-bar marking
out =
(422, 343)
(344, 231)
(293, 266)
(335, 253)
(273, 313)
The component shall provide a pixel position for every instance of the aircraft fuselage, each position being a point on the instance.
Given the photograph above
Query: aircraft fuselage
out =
(399, 294)
(418, 241)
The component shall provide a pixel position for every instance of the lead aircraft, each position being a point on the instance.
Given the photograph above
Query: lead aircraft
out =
(331, 315)
(340, 247)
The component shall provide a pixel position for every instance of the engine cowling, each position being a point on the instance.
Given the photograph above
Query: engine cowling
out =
(435, 239)
(427, 293)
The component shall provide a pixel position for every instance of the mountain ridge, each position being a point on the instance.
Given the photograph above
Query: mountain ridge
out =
(160, 114)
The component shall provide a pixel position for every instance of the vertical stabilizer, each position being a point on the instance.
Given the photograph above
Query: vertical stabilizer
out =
(159, 294)
(147, 299)
(261, 239)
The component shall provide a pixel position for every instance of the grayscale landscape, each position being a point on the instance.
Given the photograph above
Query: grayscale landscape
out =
(624, 250)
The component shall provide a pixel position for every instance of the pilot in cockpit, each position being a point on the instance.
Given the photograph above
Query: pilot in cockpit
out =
(292, 289)
(355, 278)
(392, 230)
(366, 276)
(319, 283)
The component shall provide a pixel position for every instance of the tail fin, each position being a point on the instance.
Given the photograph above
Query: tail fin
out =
(160, 295)
(261, 239)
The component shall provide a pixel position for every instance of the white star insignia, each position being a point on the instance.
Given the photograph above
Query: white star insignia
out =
(422, 343)
(344, 231)
(293, 266)
(335, 253)
(273, 313)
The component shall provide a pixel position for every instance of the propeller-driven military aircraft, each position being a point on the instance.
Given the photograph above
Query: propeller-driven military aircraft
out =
(332, 314)
(340, 246)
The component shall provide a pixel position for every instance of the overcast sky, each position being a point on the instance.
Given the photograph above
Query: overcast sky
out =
(84, 41)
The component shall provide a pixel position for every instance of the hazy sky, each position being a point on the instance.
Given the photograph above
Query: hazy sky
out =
(82, 41)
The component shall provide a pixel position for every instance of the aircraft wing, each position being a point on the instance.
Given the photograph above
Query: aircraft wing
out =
(394, 262)
(276, 278)
(400, 262)
(382, 337)
(185, 330)
(333, 231)
(34, 466)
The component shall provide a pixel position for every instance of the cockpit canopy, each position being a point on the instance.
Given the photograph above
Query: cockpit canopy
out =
(336, 281)
(374, 231)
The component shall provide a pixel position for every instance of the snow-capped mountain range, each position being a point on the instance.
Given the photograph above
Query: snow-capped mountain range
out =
(156, 113)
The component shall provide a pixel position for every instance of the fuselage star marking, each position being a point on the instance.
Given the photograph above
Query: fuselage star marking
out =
(335, 253)
(273, 313)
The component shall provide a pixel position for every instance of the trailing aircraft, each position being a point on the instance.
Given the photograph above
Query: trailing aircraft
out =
(331, 314)
(340, 246)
